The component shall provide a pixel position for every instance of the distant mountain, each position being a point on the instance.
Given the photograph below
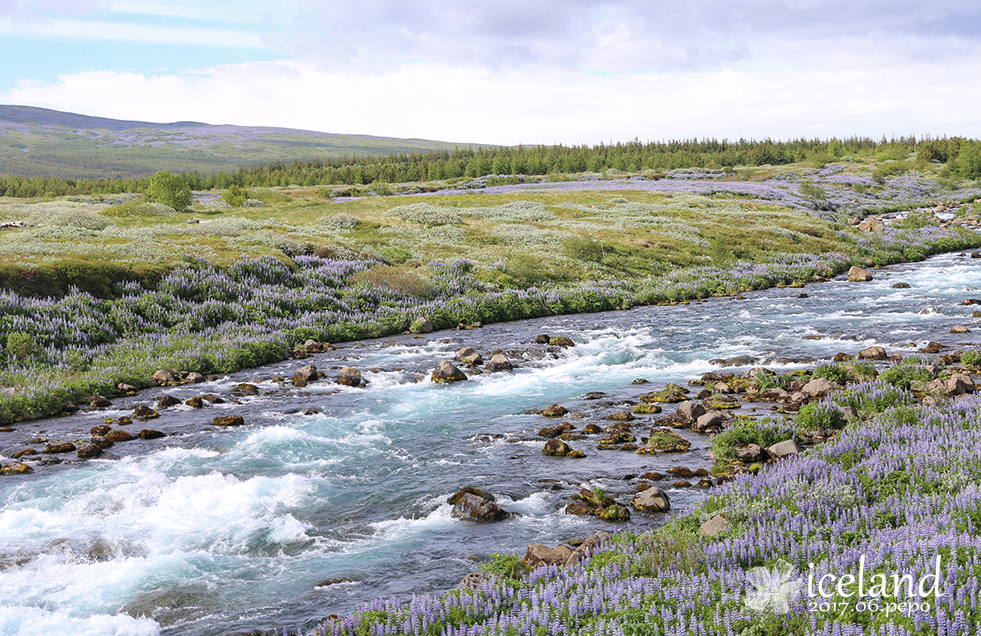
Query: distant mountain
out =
(38, 142)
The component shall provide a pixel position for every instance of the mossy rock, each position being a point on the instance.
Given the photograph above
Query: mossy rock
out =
(721, 402)
(647, 409)
(662, 441)
(669, 394)
(616, 512)
(561, 341)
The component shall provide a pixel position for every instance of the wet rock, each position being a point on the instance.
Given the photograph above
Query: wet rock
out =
(681, 471)
(59, 446)
(594, 395)
(690, 411)
(621, 416)
(349, 376)
(618, 437)
(556, 448)
(663, 441)
(15, 468)
(971, 301)
(194, 402)
(163, 376)
(194, 377)
(88, 449)
(555, 410)
(556, 430)
(310, 410)
(119, 436)
(469, 355)
(124, 420)
(149, 433)
(783, 449)
(24, 453)
(542, 339)
(304, 375)
(774, 395)
(165, 401)
(245, 390)
(101, 429)
(714, 526)
(858, 274)
(651, 500)
(101, 441)
(540, 554)
(652, 476)
(144, 412)
(100, 402)
(872, 353)
(959, 329)
(228, 420)
(214, 399)
(709, 423)
(561, 341)
(681, 484)
(124, 388)
(721, 401)
(421, 325)
(477, 507)
(445, 373)
(592, 429)
(647, 409)
(640, 381)
(498, 362)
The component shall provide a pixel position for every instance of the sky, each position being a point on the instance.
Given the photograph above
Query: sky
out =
(507, 71)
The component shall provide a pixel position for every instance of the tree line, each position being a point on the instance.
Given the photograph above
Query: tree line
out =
(964, 156)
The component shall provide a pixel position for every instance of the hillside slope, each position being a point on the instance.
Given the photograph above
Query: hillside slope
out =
(38, 142)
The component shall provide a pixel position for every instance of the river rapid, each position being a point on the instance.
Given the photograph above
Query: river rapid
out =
(212, 530)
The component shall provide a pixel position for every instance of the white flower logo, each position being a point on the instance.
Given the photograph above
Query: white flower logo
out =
(774, 589)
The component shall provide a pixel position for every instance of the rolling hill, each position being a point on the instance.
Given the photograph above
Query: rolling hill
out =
(39, 142)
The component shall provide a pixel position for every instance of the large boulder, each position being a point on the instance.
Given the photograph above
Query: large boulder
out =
(469, 355)
(349, 376)
(164, 376)
(651, 500)
(165, 401)
(858, 274)
(959, 384)
(445, 373)
(498, 362)
(713, 526)
(228, 420)
(709, 423)
(555, 410)
(783, 449)
(818, 388)
(540, 554)
(690, 411)
(872, 353)
(471, 506)
(88, 449)
(59, 446)
(587, 548)
(305, 374)
(749, 453)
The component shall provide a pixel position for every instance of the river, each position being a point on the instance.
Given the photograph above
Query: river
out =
(211, 530)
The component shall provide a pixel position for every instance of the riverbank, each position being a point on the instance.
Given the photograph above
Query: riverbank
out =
(208, 320)
(894, 493)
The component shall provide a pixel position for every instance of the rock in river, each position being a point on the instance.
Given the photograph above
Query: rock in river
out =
(445, 373)
(349, 376)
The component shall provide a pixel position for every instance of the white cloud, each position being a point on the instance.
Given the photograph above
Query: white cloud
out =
(508, 107)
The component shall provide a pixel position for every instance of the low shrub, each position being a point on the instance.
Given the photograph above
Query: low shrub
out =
(906, 376)
(507, 565)
(820, 415)
(762, 432)
(833, 372)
